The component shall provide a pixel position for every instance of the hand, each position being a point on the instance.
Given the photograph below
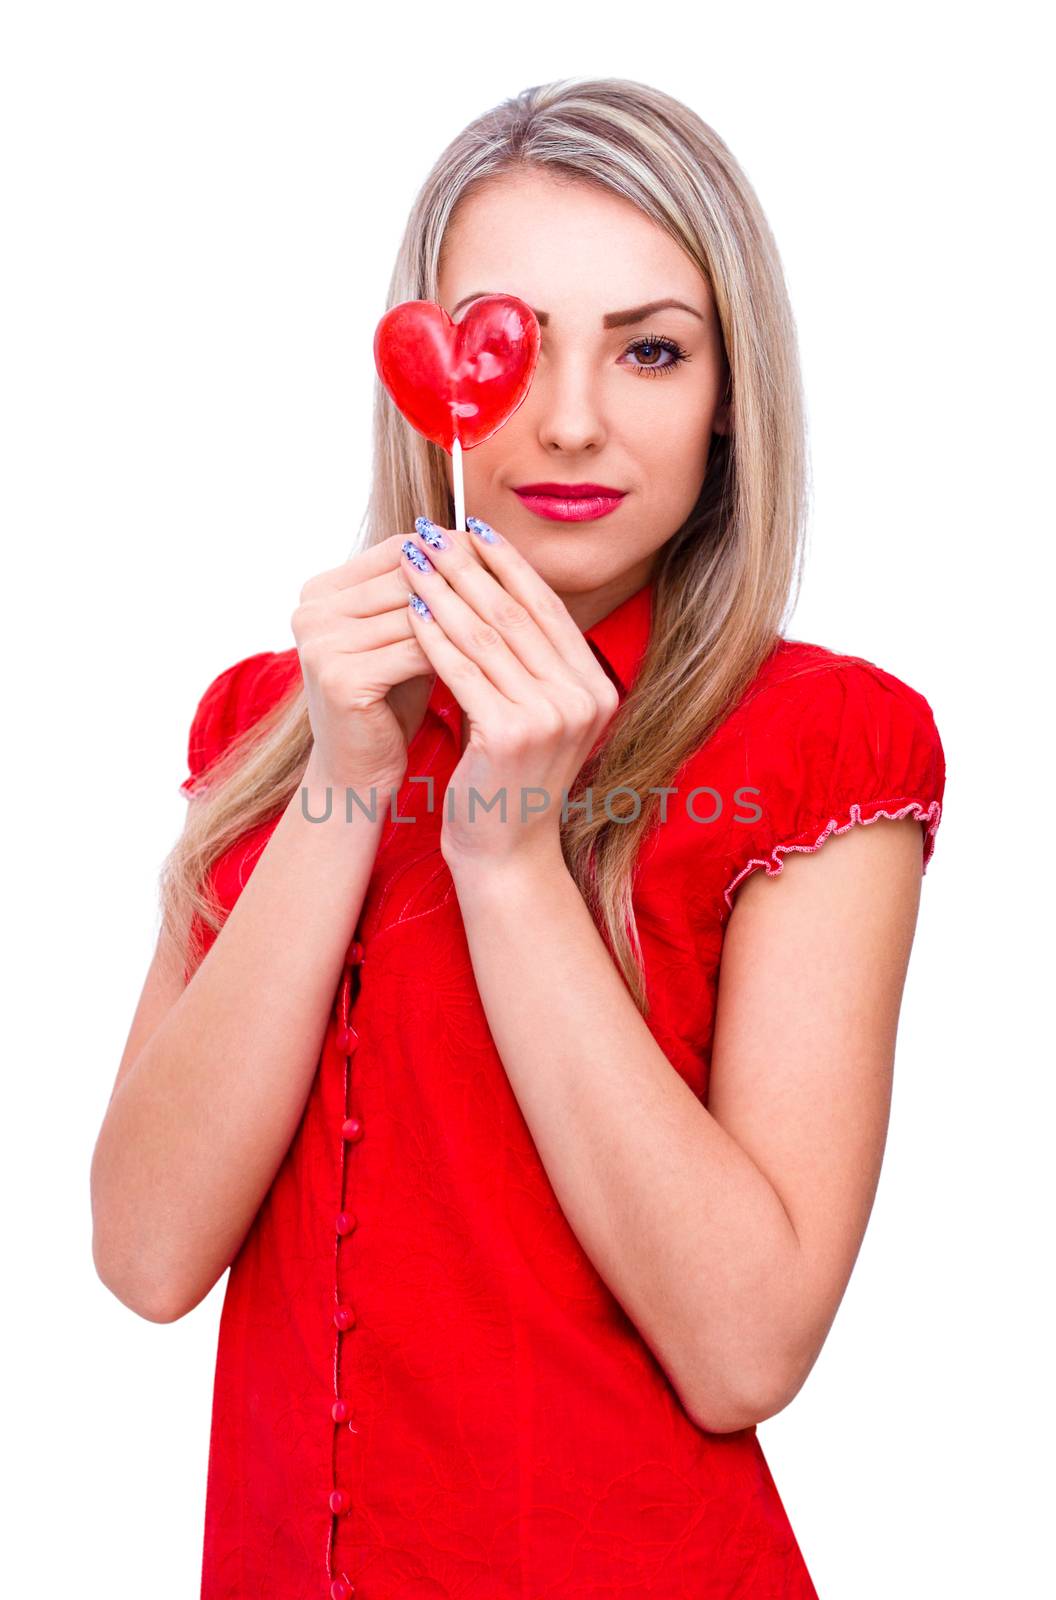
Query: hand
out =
(356, 643)
(534, 694)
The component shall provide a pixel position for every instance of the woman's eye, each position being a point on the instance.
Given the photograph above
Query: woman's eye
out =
(655, 355)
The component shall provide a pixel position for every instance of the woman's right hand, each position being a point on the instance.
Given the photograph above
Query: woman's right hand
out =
(355, 643)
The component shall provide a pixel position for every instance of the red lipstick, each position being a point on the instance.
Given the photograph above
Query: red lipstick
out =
(570, 502)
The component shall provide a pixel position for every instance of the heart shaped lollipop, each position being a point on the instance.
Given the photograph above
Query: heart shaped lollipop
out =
(458, 382)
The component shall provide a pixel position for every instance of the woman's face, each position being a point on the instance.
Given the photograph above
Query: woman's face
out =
(615, 405)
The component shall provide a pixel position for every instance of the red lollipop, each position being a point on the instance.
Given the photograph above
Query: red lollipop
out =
(458, 382)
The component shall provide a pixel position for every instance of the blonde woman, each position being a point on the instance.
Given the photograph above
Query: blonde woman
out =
(503, 1036)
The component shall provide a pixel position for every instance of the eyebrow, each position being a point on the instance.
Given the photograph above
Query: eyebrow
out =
(612, 319)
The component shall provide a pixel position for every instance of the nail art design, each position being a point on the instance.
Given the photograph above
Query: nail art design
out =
(482, 531)
(418, 604)
(416, 557)
(431, 534)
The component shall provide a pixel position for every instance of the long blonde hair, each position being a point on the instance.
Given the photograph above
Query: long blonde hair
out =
(725, 581)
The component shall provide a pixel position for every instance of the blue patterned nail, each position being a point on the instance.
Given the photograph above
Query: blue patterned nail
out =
(416, 557)
(482, 531)
(430, 533)
(418, 604)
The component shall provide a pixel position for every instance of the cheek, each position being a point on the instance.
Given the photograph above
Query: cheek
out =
(484, 461)
(676, 408)
(675, 446)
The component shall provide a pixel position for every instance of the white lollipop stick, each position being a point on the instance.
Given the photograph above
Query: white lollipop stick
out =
(460, 488)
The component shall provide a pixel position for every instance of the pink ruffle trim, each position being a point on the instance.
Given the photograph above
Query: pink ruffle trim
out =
(929, 815)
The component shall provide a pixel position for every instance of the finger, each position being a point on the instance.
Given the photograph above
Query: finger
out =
(481, 701)
(485, 594)
(519, 578)
(361, 634)
(476, 637)
(387, 592)
(365, 564)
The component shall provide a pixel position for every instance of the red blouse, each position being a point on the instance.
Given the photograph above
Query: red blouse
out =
(424, 1389)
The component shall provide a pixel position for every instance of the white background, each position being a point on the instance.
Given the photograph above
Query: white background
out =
(201, 205)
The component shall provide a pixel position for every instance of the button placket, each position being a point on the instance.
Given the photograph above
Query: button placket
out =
(347, 1037)
(345, 1223)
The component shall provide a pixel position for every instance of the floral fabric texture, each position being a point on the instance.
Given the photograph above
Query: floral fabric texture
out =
(424, 1390)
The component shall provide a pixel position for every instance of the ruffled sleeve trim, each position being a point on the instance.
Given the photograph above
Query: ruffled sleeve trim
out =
(929, 814)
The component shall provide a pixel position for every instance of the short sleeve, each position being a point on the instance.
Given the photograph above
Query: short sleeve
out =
(226, 707)
(835, 749)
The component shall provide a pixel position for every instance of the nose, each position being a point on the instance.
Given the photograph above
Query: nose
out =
(569, 406)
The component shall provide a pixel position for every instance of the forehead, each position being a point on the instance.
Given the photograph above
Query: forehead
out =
(557, 243)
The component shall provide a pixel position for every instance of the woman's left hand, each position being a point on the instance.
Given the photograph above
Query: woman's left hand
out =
(535, 697)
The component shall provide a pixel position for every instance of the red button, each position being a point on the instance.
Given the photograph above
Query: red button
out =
(340, 1590)
(340, 1410)
(352, 1129)
(338, 1502)
(346, 1221)
(354, 954)
(347, 1039)
(344, 1317)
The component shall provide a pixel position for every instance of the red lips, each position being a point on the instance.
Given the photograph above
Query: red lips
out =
(571, 491)
(570, 502)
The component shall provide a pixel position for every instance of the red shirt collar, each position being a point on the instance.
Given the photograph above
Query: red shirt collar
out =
(623, 635)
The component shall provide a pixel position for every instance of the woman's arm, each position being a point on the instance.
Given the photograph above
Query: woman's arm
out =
(728, 1233)
(214, 1076)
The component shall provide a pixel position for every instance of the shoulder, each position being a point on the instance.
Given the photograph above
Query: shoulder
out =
(234, 700)
(822, 741)
(808, 704)
(814, 680)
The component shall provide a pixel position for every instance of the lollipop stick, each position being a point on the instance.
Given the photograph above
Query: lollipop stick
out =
(460, 488)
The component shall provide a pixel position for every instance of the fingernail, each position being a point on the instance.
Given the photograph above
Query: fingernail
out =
(482, 531)
(430, 533)
(418, 604)
(416, 557)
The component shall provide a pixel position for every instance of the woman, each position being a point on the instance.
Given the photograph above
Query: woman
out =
(534, 1208)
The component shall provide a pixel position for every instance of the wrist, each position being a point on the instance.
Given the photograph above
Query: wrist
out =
(321, 796)
(506, 875)
(319, 778)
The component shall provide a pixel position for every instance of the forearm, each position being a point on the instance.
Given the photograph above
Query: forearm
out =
(196, 1131)
(687, 1232)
